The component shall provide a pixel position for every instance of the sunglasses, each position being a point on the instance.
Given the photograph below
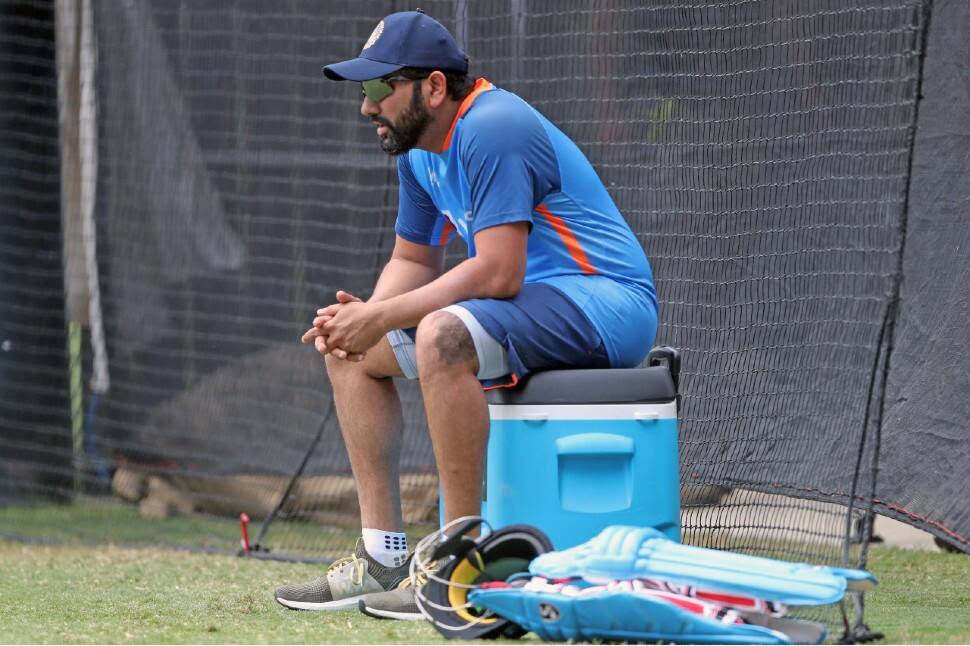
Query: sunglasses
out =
(379, 89)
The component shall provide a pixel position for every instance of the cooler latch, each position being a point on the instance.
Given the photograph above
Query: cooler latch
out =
(665, 355)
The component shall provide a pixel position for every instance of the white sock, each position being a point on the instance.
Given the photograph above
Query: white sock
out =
(390, 549)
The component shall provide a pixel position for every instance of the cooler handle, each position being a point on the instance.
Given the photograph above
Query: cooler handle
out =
(595, 444)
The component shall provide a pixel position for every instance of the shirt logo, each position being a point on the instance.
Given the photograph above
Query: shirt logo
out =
(433, 177)
(374, 35)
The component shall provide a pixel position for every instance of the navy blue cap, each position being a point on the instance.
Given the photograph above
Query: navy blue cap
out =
(405, 39)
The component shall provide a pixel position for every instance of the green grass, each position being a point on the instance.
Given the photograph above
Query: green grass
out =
(923, 597)
(91, 594)
(96, 521)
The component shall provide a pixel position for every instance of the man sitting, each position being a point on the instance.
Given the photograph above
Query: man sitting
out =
(554, 278)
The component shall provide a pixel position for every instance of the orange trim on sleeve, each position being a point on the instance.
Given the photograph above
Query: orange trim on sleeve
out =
(446, 230)
(568, 238)
(481, 85)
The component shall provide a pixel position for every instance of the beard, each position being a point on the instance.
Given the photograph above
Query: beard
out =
(413, 122)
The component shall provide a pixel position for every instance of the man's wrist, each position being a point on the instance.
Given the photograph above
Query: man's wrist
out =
(382, 315)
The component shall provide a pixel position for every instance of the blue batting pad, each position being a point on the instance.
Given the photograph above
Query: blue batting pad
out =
(621, 552)
(616, 616)
(857, 580)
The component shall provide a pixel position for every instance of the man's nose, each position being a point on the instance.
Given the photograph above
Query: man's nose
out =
(369, 108)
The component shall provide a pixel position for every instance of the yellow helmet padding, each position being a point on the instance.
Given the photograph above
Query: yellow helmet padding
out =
(465, 574)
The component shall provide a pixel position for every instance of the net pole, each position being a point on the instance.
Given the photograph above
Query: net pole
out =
(88, 142)
(257, 544)
(859, 631)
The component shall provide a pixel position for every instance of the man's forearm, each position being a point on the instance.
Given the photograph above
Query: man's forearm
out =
(470, 279)
(412, 286)
(399, 277)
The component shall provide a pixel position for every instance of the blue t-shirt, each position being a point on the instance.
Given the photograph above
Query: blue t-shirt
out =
(504, 162)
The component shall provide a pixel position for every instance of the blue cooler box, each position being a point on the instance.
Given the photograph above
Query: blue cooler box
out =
(573, 451)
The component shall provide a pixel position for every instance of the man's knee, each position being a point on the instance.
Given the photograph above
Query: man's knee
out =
(334, 365)
(338, 370)
(379, 363)
(443, 342)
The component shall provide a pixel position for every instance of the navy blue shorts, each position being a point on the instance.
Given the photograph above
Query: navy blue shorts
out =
(538, 329)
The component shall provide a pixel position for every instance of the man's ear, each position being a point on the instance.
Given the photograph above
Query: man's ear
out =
(437, 89)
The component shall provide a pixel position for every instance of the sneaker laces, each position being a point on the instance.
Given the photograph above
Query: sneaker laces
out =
(419, 578)
(349, 560)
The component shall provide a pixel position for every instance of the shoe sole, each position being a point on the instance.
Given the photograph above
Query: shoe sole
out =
(377, 613)
(337, 604)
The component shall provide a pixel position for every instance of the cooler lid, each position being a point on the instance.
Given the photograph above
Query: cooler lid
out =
(610, 386)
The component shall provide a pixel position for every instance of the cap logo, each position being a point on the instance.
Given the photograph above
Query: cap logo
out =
(374, 35)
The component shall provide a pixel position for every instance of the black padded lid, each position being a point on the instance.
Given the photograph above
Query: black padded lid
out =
(613, 386)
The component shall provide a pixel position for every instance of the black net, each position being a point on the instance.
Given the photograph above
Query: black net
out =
(924, 449)
(760, 150)
(36, 454)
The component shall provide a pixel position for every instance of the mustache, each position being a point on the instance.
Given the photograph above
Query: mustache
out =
(381, 121)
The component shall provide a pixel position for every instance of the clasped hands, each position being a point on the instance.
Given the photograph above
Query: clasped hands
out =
(346, 329)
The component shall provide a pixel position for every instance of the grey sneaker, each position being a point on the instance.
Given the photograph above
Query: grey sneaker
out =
(345, 582)
(398, 603)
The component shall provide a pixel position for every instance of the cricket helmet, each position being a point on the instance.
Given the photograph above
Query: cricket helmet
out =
(450, 563)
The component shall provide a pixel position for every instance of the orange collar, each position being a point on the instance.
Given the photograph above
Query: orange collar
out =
(481, 85)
